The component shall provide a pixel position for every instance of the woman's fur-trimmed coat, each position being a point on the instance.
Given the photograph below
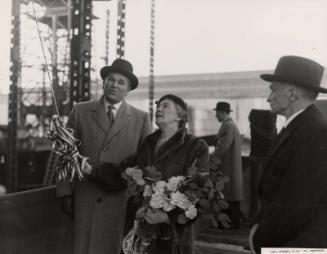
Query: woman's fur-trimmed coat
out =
(173, 158)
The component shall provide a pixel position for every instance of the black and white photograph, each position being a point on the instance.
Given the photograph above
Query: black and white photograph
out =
(163, 126)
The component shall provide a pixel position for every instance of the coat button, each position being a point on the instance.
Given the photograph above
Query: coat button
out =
(99, 200)
(104, 149)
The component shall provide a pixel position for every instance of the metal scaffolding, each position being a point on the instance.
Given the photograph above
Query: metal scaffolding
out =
(80, 56)
(15, 74)
(30, 90)
(121, 29)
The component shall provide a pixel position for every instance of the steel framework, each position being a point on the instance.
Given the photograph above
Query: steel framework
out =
(30, 90)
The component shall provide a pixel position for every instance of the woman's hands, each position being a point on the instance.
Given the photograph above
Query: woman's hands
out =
(156, 216)
(152, 216)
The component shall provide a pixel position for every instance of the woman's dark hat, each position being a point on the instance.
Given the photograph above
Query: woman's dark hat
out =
(223, 106)
(177, 100)
(123, 67)
(298, 71)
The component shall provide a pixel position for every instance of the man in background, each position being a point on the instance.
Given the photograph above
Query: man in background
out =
(227, 159)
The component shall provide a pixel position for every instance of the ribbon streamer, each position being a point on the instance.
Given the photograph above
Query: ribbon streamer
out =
(65, 146)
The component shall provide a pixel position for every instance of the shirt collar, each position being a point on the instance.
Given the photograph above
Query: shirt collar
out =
(290, 119)
(226, 119)
(116, 105)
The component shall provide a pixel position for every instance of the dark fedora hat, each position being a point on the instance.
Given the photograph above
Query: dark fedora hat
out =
(123, 67)
(223, 106)
(298, 71)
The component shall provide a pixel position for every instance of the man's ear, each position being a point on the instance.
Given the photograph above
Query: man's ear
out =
(129, 86)
(293, 93)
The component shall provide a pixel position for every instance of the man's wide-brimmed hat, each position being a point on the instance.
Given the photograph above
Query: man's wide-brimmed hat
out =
(223, 106)
(123, 67)
(298, 71)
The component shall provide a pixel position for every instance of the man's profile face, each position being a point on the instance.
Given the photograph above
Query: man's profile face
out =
(115, 87)
(279, 97)
(220, 115)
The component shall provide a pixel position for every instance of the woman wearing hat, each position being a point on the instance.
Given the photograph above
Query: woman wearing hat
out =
(171, 150)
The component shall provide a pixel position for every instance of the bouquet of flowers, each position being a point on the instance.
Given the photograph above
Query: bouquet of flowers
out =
(178, 201)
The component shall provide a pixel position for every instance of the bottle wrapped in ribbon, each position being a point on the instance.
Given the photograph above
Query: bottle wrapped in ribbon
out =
(65, 146)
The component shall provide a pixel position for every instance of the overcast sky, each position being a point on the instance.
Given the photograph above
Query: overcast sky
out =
(202, 36)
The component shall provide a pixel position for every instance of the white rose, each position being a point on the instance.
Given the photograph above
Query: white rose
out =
(157, 201)
(167, 206)
(191, 212)
(159, 187)
(174, 182)
(179, 199)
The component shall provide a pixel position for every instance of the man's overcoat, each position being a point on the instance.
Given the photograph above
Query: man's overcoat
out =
(228, 159)
(293, 189)
(98, 215)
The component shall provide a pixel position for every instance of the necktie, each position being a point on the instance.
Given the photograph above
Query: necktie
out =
(110, 115)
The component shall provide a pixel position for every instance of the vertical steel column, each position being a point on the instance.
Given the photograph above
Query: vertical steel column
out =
(151, 75)
(121, 29)
(106, 58)
(80, 51)
(15, 75)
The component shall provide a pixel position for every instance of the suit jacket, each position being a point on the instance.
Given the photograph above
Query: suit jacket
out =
(227, 158)
(99, 216)
(293, 190)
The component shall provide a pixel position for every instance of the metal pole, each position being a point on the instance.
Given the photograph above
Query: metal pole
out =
(121, 29)
(151, 76)
(15, 75)
(106, 58)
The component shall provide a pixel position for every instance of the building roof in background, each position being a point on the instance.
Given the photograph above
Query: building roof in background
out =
(246, 84)
(229, 85)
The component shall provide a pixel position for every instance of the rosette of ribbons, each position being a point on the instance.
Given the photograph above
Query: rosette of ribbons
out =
(65, 146)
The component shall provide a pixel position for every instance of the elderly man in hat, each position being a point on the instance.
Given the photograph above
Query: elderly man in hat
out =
(110, 130)
(227, 159)
(293, 189)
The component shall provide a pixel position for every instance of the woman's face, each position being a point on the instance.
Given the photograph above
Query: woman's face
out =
(166, 113)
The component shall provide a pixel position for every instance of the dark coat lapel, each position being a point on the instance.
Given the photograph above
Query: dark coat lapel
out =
(120, 122)
(170, 146)
(286, 133)
(99, 115)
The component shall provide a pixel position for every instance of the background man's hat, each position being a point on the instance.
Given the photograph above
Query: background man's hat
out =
(123, 67)
(298, 71)
(223, 106)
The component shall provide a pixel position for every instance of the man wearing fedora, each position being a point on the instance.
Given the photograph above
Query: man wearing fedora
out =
(110, 130)
(227, 159)
(293, 189)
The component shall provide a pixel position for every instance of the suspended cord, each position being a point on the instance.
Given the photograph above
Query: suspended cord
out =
(45, 59)
(64, 144)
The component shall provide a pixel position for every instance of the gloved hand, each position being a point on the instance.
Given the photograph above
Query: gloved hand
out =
(67, 205)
